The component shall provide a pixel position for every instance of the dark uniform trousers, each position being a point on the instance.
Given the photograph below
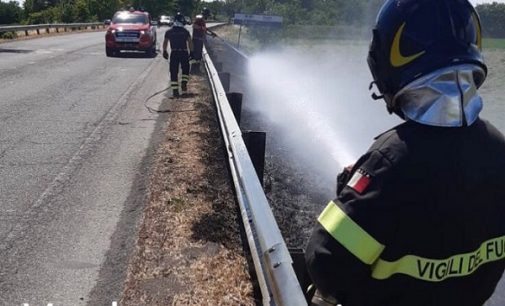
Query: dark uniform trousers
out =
(419, 220)
(197, 48)
(197, 53)
(179, 58)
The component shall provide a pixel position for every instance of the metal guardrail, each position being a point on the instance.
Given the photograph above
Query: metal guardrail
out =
(270, 254)
(38, 27)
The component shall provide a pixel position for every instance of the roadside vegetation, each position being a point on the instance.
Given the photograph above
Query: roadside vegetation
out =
(350, 16)
(67, 11)
(493, 43)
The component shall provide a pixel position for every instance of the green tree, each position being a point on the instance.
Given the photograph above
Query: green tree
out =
(156, 7)
(10, 12)
(100, 10)
(493, 19)
(81, 11)
(49, 15)
(66, 12)
(32, 6)
(313, 12)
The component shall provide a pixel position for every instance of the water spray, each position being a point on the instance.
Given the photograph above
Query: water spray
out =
(319, 99)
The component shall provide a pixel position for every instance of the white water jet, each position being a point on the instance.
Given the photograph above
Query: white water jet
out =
(318, 98)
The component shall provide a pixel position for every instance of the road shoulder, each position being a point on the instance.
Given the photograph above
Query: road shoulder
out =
(189, 251)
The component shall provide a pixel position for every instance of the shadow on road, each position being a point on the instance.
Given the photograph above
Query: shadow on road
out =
(134, 54)
(2, 50)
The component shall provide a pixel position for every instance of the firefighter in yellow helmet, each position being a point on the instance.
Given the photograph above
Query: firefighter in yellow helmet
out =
(419, 219)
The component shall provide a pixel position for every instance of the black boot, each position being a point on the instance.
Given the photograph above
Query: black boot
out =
(175, 92)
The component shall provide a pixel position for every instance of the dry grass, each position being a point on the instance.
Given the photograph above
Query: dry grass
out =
(189, 250)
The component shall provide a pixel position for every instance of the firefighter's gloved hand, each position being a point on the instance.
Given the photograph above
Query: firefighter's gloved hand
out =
(165, 54)
(213, 34)
(319, 299)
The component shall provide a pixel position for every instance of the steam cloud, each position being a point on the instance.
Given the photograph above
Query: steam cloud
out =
(318, 99)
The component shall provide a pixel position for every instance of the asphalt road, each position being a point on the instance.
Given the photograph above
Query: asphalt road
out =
(75, 147)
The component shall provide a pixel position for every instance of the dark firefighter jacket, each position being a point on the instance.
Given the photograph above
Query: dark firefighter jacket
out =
(420, 220)
(178, 37)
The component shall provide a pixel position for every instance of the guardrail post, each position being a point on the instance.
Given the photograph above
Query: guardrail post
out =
(47, 30)
(225, 80)
(26, 32)
(57, 30)
(38, 32)
(235, 99)
(255, 143)
(65, 29)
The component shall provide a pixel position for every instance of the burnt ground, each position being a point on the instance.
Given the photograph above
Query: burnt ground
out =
(189, 250)
(293, 189)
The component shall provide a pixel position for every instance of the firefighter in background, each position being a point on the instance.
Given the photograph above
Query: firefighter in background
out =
(200, 33)
(180, 46)
(419, 219)
(206, 13)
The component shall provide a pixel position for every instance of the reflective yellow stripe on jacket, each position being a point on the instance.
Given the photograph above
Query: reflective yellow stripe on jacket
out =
(349, 234)
(367, 249)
